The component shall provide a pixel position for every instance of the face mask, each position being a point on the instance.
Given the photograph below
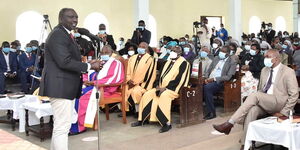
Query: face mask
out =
(120, 42)
(28, 49)
(232, 52)
(247, 47)
(222, 55)
(193, 39)
(215, 45)
(18, 47)
(268, 62)
(141, 50)
(130, 53)
(173, 55)
(296, 43)
(13, 50)
(252, 52)
(141, 27)
(76, 35)
(105, 57)
(182, 43)
(244, 42)
(168, 51)
(6, 49)
(101, 32)
(203, 54)
(186, 50)
(284, 46)
(34, 48)
(270, 28)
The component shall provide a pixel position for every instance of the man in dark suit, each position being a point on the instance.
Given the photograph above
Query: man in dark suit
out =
(221, 69)
(270, 33)
(26, 67)
(106, 38)
(61, 78)
(141, 34)
(8, 65)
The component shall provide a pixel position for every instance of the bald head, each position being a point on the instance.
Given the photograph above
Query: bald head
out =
(145, 46)
(107, 50)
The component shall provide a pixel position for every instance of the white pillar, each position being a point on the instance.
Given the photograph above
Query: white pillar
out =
(141, 11)
(235, 19)
(295, 15)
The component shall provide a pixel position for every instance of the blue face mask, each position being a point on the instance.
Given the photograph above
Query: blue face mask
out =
(186, 50)
(105, 57)
(141, 50)
(34, 48)
(284, 46)
(28, 49)
(13, 50)
(182, 43)
(252, 52)
(18, 47)
(101, 32)
(203, 54)
(76, 35)
(6, 49)
(232, 52)
(268, 62)
(222, 55)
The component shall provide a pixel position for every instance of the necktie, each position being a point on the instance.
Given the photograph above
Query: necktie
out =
(269, 83)
(72, 36)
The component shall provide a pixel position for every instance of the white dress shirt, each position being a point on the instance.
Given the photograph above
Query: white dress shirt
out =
(275, 71)
(6, 57)
(217, 71)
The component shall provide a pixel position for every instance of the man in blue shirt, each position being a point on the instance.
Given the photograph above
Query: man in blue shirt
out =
(222, 33)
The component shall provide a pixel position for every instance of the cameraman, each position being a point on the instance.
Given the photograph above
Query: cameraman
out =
(205, 32)
(270, 33)
(141, 34)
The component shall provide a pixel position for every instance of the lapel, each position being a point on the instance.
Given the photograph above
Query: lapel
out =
(279, 74)
(74, 45)
(2, 58)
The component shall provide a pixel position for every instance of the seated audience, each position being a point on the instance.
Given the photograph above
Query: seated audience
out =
(204, 59)
(252, 63)
(8, 65)
(283, 55)
(112, 72)
(277, 95)
(26, 67)
(221, 69)
(155, 104)
(165, 55)
(188, 53)
(216, 46)
(141, 74)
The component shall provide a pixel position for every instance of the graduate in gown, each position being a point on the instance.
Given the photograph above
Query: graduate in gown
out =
(141, 73)
(111, 72)
(155, 104)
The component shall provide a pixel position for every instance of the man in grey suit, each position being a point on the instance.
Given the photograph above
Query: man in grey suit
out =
(277, 94)
(61, 78)
(222, 68)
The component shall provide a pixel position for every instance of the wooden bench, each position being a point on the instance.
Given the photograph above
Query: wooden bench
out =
(8, 118)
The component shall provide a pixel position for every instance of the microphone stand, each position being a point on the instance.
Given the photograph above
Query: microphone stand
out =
(96, 47)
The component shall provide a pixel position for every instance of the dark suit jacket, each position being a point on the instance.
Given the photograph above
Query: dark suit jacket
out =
(255, 65)
(270, 36)
(25, 62)
(12, 62)
(111, 42)
(61, 77)
(146, 37)
(228, 70)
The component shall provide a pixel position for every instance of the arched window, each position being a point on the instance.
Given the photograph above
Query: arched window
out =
(254, 24)
(29, 27)
(93, 20)
(153, 29)
(280, 24)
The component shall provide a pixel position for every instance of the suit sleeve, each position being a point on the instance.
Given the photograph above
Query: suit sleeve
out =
(293, 94)
(58, 48)
(229, 74)
(14, 64)
(147, 37)
(22, 63)
(111, 42)
(134, 38)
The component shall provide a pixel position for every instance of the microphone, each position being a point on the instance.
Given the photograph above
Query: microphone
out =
(87, 33)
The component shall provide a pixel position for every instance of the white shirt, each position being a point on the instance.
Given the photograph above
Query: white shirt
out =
(6, 57)
(275, 71)
(217, 71)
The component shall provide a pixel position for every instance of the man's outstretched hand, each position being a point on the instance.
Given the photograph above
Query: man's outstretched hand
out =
(96, 65)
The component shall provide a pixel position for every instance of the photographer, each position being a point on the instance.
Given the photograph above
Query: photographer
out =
(270, 33)
(141, 34)
(205, 32)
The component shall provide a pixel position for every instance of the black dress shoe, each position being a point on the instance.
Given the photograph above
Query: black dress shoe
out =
(210, 116)
(224, 127)
(165, 128)
(136, 124)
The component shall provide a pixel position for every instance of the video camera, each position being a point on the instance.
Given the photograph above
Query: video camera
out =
(197, 23)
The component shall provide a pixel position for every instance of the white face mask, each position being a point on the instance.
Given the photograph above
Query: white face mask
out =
(130, 53)
(215, 45)
(173, 55)
(247, 47)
